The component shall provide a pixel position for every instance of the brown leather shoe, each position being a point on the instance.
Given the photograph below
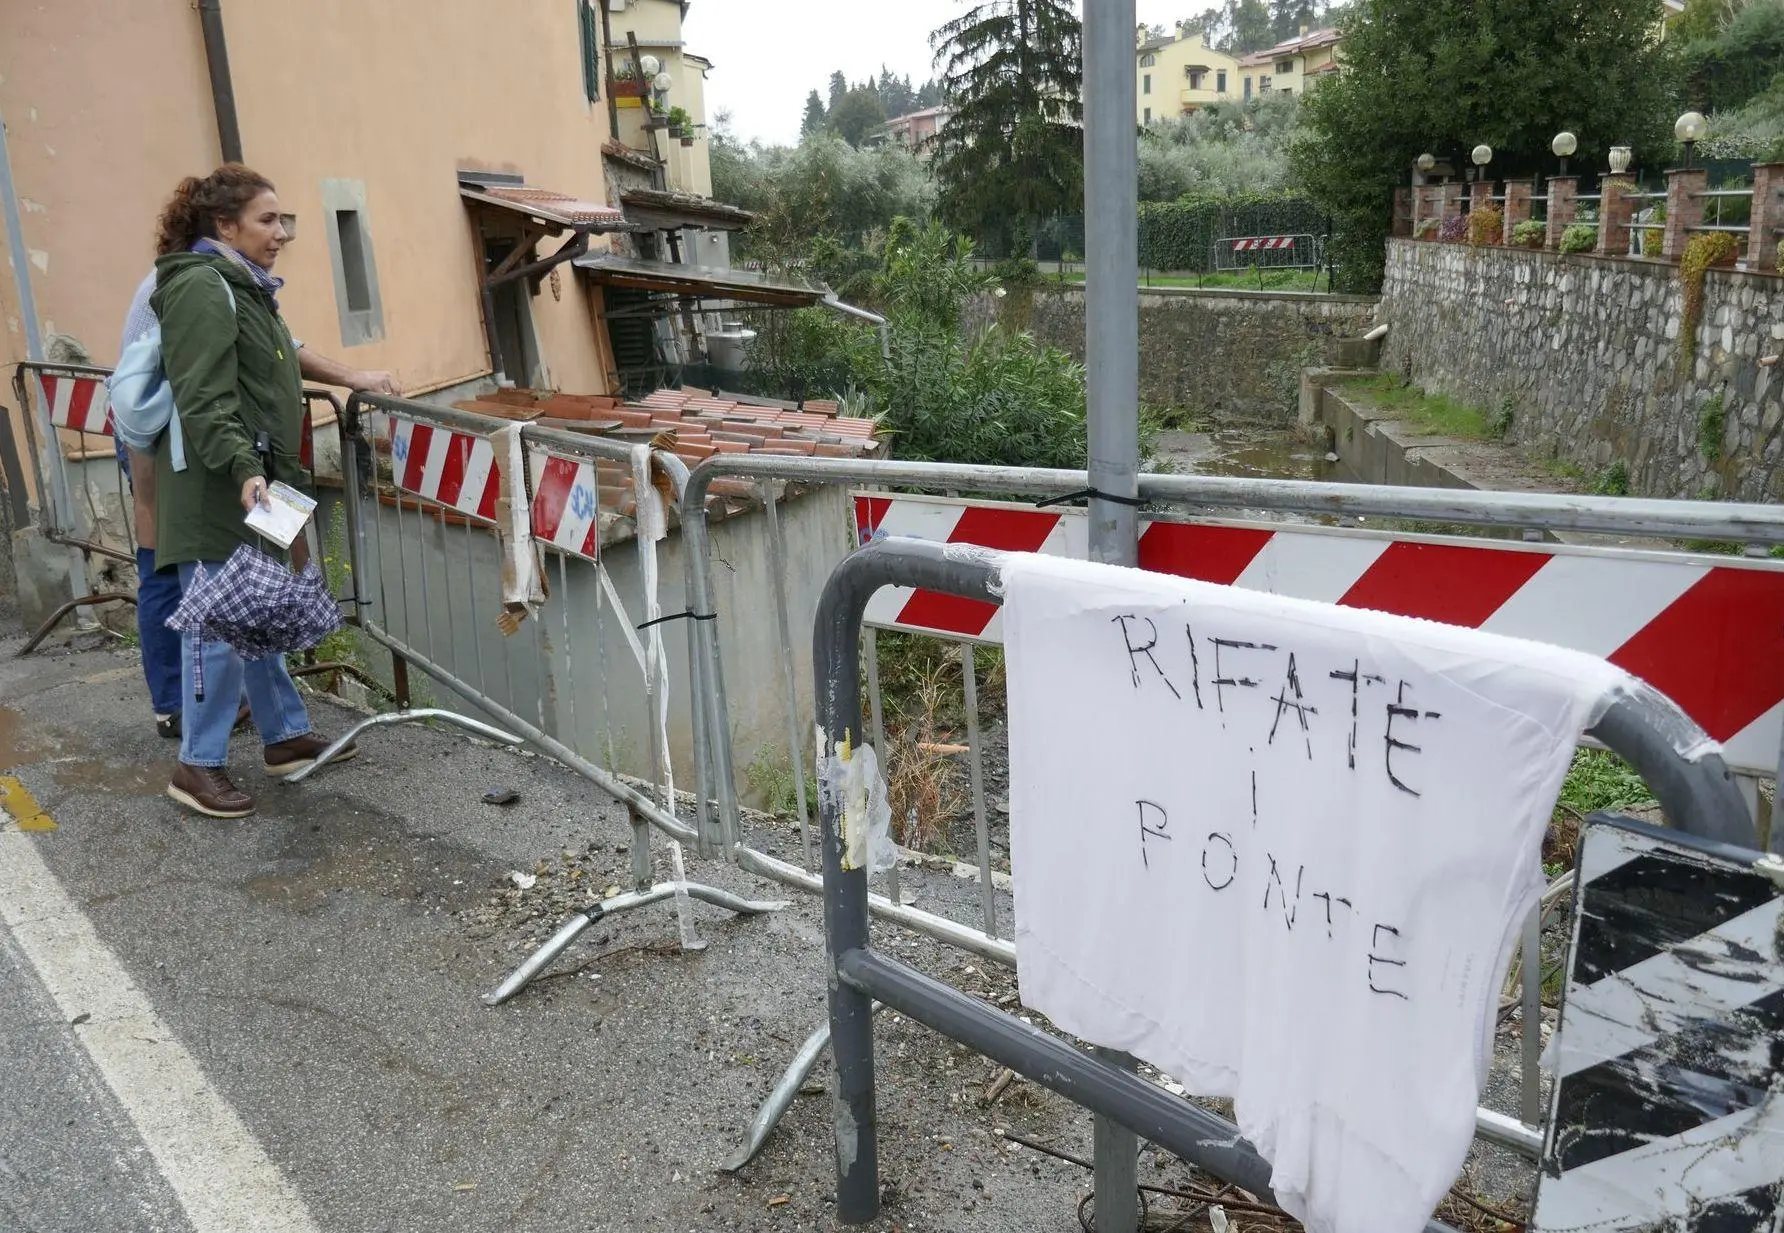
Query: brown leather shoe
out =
(301, 751)
(208, 790)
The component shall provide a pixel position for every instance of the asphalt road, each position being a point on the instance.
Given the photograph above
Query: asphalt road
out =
(275, 1024)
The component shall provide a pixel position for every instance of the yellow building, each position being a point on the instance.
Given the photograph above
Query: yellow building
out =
(1290, 66)
(1180, 73)
(655, 25)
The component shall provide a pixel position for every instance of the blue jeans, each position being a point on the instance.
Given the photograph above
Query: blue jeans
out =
(278, 709)
(157, 595)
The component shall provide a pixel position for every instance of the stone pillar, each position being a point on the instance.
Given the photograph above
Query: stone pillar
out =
(1768, 216)
(1615, 209)
(1480, 195)
(1564, 192)
(1684, 208)
(1404, 214)
(1517, 206)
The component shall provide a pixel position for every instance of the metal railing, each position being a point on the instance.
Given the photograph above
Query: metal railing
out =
(427, 575)
(1646, 729)
(89, 507)
(434, 551)
(1757, 524)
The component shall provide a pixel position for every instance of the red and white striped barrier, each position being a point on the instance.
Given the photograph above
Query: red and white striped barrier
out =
(566, 503)
(79, 403)
(455, 469)
(1263, 243)
(1707, 631)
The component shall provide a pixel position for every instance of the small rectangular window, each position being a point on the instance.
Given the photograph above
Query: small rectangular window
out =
(1220, 82)
(1248, 87)
(349, 227)
(1146, 84)
(1148, 119)
(1195, 79)
(1285, 66)
(353, 262)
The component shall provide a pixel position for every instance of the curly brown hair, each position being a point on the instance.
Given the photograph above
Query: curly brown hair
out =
(197, 204)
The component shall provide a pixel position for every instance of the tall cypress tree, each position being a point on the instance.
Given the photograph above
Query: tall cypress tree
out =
(814, 116)
(1012, 154)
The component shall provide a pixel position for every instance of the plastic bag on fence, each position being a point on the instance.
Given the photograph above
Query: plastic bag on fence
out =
(523, 575)
(850, 777)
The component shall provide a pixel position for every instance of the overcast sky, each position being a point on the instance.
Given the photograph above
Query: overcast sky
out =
(768, 54)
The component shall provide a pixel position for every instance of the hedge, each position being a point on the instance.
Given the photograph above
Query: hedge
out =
(1177, 235)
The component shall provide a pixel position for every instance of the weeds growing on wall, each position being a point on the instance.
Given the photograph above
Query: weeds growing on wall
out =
(1701, 252)
(1500, 427)
(771, 782)
(1712, 422)
(1612, 481)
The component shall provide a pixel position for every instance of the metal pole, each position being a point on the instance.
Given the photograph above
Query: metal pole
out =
(1112, 361)
(1111, 272)
(1531, 1079)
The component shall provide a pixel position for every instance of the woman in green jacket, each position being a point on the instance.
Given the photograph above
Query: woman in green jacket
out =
(238, 392)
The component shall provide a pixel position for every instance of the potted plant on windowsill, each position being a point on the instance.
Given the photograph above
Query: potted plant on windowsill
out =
(681, 124)
(625, 83)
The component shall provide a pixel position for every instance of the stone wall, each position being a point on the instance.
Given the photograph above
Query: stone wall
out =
(1235, 353)
(1586, 349)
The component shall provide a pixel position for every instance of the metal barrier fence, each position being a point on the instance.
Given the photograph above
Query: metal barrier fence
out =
(449, 514)
(92, 513)
(434, 545)
(1646, 729)
(1752, 524)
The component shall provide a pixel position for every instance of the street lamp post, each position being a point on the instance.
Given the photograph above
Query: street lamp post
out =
(1689, 129)
(1564, 145)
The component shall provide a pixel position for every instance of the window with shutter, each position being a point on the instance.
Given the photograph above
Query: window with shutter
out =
(591, 51)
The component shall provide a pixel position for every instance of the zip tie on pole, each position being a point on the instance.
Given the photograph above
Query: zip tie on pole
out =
(681, 616)
(1136, 502)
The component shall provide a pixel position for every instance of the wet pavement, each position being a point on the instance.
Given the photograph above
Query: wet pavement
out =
(1246, 451)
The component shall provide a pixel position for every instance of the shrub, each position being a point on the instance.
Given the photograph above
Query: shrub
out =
(1177, 235)
(1486, 226)
(1454, 229)
(948, 392)
(1530, 233)
(1579, 238)
(1701, 252)
(1426, 229)
(1613, 481)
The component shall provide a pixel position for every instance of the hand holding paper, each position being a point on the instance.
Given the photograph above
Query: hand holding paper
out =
(281, 513)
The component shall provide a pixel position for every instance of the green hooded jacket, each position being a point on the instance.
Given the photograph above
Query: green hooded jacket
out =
(235, 375)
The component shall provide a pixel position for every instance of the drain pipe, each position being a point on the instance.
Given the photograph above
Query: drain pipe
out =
(216, 55)
(874, 319)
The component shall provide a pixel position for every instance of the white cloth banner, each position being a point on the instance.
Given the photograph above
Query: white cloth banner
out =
(1281, 850)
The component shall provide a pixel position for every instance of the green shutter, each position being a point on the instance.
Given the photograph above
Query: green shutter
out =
(591, 52)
